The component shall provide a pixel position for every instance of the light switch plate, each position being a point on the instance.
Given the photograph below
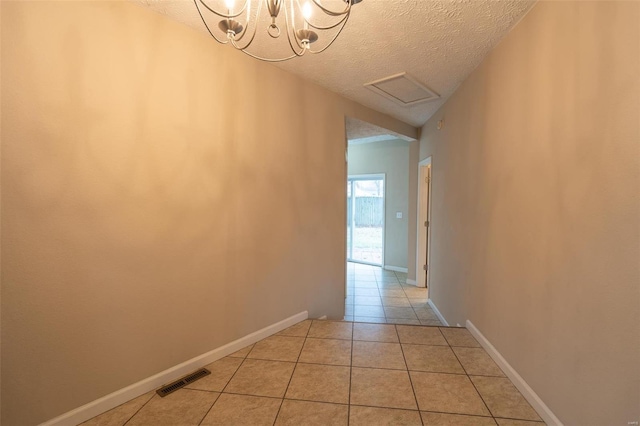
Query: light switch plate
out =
(398, 215)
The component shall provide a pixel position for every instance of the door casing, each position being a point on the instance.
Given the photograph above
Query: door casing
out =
(377, 176)
(423, 238)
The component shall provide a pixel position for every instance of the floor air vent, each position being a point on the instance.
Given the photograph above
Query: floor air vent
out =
(189, 378)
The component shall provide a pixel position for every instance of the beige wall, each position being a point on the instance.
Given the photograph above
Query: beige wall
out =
(392, 159)
(536, 209)
(162, 195)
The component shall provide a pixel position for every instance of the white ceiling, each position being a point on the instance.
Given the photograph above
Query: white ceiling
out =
(437, 42)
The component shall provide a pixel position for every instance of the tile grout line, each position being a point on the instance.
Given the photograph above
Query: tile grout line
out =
(239, 366)
(386, 320)
(287, 399)
(317, 402)
(413, 310)
(201, 390)
(380, 296)
(461, 414)
(374, 368)
(415, 398)
(225, 386)
(465, 374)
(379, 279)
(275, 419)
(469, 378)
(540, 422)
(207, 413)
(350, 373)
(138, 410)
(365, 405)
(399, 322)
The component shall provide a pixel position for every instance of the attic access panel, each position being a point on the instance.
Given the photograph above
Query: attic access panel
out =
(402, 89)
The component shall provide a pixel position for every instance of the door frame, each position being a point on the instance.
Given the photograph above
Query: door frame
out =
(423, 239)
(370, 176)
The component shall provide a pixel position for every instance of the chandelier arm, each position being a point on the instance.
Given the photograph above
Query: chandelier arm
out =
(342, 15)
(255, 27)
(293, 27)
(343, 19)
(330, 12)
(332, 40)
(293, 49)
(237, 46)
(226, 15)
(207, 25)
(267, 59)
(255, 30)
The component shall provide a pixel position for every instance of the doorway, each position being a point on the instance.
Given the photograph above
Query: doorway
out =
(424, 223)
(365, 219)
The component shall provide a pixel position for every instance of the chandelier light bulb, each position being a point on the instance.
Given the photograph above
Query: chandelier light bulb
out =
(230, 4)
(306, 10)
(306, 13)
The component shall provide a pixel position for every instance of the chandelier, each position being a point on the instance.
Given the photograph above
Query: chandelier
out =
(305, 25)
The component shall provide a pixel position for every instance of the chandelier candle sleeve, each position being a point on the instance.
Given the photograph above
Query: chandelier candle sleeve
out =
(306, 13)
(239, 28)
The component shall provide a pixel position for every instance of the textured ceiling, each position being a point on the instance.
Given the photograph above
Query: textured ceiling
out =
(437, 42)
(359, 132)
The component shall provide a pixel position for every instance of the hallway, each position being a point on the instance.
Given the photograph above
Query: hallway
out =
(377, 295)
(342, 373)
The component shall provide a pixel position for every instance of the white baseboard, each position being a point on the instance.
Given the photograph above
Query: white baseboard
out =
(395, 268)
(526, 391)
(411, 282)
(99, 406)
(437, 312)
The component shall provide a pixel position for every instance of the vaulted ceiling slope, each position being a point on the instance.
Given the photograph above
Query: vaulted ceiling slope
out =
(437, 42)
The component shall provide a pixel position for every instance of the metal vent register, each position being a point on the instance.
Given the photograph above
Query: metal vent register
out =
(189, 378)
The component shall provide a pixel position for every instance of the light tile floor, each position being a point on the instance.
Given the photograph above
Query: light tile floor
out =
(343, 373)
(380, 296)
